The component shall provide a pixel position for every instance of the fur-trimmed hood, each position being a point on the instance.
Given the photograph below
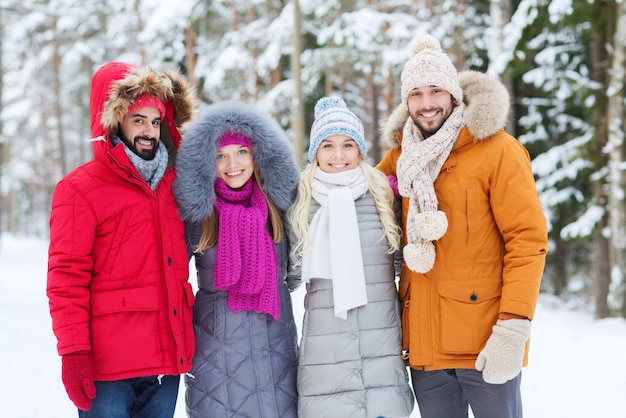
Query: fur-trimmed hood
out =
(195, 167)
(116, 85)
(487, 108)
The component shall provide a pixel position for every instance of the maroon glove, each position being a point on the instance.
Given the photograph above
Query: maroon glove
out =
(77, 375)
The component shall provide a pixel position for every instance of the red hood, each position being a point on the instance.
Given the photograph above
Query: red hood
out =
(100, 90)
(114, 88)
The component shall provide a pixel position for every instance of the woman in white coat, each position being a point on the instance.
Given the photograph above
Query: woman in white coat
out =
(345, 238)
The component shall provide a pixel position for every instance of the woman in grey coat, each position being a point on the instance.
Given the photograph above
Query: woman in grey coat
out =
(236, 176)
(345, 237)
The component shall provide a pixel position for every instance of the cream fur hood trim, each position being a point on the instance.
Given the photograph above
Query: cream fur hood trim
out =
(487, 108)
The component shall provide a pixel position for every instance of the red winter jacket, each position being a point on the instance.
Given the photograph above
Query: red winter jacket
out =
(118, 267)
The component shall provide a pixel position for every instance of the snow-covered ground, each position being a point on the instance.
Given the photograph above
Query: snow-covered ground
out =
(577, 364)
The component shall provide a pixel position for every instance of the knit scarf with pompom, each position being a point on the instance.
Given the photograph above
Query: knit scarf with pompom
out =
(246, 264)
(418, 167)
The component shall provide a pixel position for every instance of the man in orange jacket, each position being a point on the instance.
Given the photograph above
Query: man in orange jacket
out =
(475, 238)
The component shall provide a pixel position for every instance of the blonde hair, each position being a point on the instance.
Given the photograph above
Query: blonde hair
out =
(377, 185)
(210, 225)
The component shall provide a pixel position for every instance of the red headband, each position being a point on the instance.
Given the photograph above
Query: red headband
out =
(147, 100)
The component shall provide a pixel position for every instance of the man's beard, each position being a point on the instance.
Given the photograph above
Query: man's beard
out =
(427, 131)
(146, 154)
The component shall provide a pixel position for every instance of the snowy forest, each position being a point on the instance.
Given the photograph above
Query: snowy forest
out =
(563, 61)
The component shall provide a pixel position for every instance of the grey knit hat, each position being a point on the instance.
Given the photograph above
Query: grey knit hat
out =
(333, 117)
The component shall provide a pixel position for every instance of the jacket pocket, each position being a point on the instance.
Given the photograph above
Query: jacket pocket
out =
(124, 300)
(188, 319)
(405, 302)
(468, 310)
(204, 312)
(471, 198)
(124, 329)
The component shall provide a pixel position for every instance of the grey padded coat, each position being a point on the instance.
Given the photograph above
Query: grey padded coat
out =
(245, 362)
(354, 367)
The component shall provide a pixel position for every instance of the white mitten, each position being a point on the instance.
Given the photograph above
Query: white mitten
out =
(501, 359)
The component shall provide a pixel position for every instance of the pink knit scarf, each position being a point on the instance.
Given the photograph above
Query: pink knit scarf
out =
(246, 264)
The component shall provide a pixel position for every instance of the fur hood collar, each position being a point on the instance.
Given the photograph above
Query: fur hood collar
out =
(195, 167)
(487, 107)
(116, 85)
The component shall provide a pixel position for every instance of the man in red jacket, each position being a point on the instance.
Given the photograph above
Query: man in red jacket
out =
(118, 271)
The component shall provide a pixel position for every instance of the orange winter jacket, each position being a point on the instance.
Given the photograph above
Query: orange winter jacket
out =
(490, 260)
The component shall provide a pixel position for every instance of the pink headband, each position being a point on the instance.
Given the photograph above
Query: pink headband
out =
(147, 100)
(234, 138)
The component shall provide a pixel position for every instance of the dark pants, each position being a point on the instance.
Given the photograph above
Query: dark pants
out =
(448, 393)
(141, 397)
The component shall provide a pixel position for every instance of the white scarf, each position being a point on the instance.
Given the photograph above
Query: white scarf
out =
(334, 250)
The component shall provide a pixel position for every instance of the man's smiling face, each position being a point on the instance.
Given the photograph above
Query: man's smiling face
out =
(429, 107)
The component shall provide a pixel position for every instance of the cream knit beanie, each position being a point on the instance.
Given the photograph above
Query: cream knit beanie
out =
(429, 66)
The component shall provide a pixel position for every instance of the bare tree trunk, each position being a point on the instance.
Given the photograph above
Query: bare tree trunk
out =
(459, 39)
(56, 102)
(375, 149)
(601, 274)
(4, 147)
(559, 281)
(386, 90)
(234, 26)
(601, 263)
(328, 83)
(500, 12)
(254, 52)
(190, 56)
(276, 74)
(50, 169)
(615, 145)
(297, 120)
(142, 49)
(389, 95)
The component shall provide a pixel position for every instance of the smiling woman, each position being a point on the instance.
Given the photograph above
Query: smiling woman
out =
(237, 175)
(235, 164)
(346, 241)
(338, 153)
